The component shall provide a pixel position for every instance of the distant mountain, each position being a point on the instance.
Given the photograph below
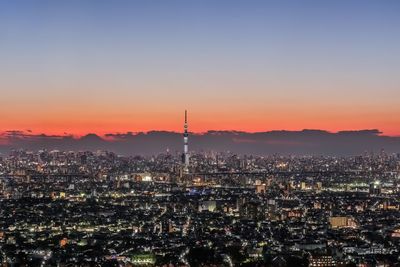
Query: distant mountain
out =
(305, 142)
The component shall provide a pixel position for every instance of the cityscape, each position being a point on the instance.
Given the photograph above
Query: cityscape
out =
(199, 133)
(65, 208)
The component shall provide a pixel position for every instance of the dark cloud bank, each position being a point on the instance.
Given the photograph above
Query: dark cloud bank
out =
(306, 142)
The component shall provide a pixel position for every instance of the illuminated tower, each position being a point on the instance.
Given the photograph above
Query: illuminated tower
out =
(185, 156)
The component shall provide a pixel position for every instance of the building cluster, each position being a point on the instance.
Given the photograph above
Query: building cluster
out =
(100, 209)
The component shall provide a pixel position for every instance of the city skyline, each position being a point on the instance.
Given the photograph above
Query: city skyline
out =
(201, 133)
(94, 67)
(300, 143)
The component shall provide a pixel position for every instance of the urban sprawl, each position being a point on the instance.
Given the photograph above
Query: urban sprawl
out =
(100, 209)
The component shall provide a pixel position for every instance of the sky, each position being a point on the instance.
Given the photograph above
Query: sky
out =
(94, 66)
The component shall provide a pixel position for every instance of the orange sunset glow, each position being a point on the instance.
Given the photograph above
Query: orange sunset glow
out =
(103, 122)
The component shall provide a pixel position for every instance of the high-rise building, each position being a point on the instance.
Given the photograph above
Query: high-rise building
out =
(375, 188)
(185, 156)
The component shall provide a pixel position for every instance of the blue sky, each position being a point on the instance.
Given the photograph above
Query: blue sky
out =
(335, 61)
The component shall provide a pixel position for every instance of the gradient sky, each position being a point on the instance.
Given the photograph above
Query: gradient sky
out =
(79, 66)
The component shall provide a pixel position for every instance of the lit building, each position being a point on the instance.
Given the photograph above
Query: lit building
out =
(322, 261)
(342, 222)
(210, 205)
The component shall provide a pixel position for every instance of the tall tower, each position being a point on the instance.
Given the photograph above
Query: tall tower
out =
(185, 156)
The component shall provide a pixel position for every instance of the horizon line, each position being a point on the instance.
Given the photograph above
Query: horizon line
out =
(30, 133)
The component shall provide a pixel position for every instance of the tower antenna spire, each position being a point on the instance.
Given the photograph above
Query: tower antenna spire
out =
(185, 116)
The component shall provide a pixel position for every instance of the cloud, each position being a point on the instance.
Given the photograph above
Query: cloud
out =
(305, 142)
(269, 142)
